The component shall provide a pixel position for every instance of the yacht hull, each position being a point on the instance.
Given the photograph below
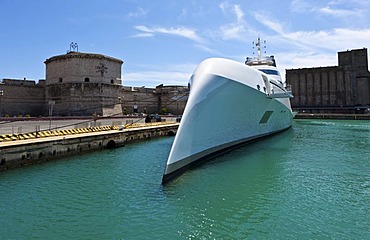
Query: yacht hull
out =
(227, 106)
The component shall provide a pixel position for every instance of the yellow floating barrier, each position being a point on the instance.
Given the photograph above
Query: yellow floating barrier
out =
(25, 136)
(46, 134)
(20, 137)
(13, 137)
(4, 137)
(31, 135)
(40, 134)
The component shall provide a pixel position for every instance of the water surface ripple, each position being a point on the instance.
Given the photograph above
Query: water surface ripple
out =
(310, 182)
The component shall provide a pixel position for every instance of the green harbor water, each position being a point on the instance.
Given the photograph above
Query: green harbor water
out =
(310, 182)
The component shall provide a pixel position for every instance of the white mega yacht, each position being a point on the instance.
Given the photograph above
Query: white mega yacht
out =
(229, 104)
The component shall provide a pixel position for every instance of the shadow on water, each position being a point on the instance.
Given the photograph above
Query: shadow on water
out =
(305, 177)
(264, 148)
(232, 193)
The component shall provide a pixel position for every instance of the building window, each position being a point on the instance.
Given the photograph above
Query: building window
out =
(87, 79)
(111, 81)
(60, 79)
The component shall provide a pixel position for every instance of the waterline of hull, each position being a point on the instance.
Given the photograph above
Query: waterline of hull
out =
(180, 167)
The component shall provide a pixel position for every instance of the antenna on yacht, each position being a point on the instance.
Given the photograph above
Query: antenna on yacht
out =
(259, 59)
(259, 44)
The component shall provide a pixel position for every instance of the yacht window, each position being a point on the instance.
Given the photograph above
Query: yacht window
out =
(270, 71)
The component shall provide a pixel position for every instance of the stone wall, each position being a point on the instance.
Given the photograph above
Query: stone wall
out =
(172, 98)
(84, 99)
(139, 100)
(21, 98)
(336, 89)
(162, 99)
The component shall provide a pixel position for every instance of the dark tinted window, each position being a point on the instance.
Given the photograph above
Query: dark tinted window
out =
(270, 72)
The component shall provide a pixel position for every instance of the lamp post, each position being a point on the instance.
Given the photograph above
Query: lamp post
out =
(1, 96)
(51, 104)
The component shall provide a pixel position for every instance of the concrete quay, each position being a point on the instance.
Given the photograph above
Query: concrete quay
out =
(26, 125)
(50, 145)
(332, 116)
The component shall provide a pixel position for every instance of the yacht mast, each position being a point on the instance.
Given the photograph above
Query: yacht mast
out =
(258, 44)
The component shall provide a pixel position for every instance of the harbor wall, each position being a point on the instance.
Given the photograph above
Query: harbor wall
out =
(332, 116)
(22, 98)
(24, 152)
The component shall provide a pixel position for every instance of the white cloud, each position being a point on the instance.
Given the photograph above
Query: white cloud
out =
(183, 14)
(223, 6)
(336, 39)
(143, 35)
(338, 8)
(303, 59)
(273, 24)
(364, 3)
(312, 48)
(237, 29)
(179, 31)
(238, 12)
(301, 6)
(319, 48)
(150, 76)
(140, 12)
(340, 12)
(206, 49)
(358, 3)
(297, 49)
(232, 31)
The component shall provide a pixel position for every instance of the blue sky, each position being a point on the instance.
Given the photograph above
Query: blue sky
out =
(162, 42)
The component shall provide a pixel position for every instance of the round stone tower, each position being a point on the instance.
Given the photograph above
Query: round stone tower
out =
(83, 84)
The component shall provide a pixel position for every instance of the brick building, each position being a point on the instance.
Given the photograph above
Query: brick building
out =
(335, 89)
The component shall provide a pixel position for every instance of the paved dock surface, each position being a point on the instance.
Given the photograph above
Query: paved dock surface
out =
(16, 127)
(97, 132)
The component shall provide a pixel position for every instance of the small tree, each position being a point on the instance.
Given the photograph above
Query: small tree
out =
(163, 110)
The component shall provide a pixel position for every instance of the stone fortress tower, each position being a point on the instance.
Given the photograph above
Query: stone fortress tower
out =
(83, 84)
